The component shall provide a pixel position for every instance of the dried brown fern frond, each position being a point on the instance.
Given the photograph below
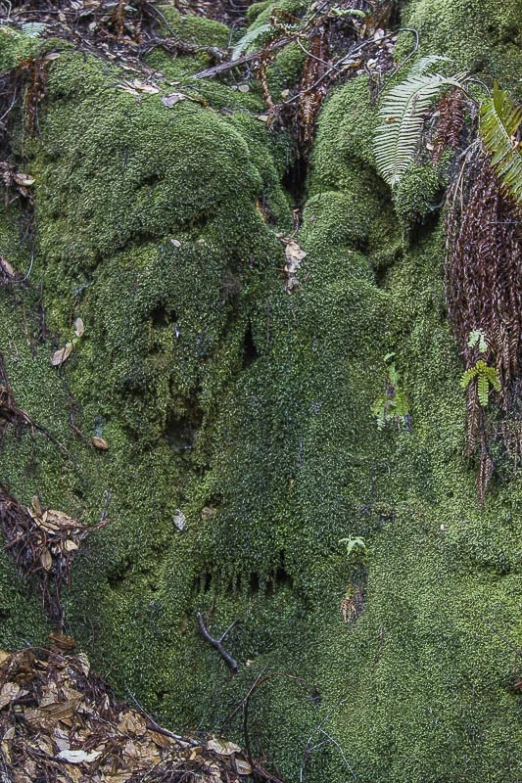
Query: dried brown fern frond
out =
(451, 109)
(312, 90)
(484, 293)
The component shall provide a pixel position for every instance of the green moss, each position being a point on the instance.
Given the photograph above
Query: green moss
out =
(480, 36)
(249, 410)
(196, 29)
(419, 193)
(15, 47)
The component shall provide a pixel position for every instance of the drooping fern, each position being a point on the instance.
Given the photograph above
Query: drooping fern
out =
(500, 120)
(402, 115)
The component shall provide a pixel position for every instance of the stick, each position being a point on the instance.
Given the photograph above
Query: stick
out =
(217, 643)
(153, 726)
(208, 73)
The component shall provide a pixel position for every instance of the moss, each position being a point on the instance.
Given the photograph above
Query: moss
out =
(419, 193)
(480, 36)
(196, 29)
(250, 411)
(15, 47)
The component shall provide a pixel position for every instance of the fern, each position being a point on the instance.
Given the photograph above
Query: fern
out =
(486, 376)
(477, 338)
(249, 39)
(500, 119)
(402, 116)
(425, 64)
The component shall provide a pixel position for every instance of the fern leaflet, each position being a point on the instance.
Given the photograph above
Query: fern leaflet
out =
(402, 116)
(248, 39)
(500, 119)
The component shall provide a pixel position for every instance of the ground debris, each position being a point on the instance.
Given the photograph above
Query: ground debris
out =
(59, 722)
(43, 543)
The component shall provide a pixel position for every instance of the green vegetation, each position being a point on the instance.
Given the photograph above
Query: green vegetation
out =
(248, 409)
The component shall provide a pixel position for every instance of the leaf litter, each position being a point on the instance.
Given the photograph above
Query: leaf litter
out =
(61, 723)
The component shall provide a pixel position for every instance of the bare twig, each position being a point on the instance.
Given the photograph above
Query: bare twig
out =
(218, 643)
(152, 725)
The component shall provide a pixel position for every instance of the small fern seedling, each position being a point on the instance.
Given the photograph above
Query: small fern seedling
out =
(486, 376)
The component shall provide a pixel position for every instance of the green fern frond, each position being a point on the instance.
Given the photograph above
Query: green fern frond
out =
(402, 116)
(477, 337)
(468, 376)
(500, 119)
(248, 39)
(483, 390)
(423, 65)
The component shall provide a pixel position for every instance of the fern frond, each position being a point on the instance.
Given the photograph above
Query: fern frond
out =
(483, 390)
(249, 39)
(468, 376)
(402, 116)
(423, 65)
(500, 119)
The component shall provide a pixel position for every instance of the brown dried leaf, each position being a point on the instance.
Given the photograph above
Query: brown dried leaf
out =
(175, 97)
(9, 693)
(60, 356)
(79, 328)
(25, 180)
(99, 443)
(46, 559)
(222, 747)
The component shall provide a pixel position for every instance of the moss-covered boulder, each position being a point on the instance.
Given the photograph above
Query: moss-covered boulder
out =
(243, 455)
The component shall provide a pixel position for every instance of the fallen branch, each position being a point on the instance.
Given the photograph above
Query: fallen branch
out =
(208, 73)
(218, 643)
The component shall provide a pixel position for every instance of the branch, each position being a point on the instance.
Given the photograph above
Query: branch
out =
(208, 73)
(218, 643)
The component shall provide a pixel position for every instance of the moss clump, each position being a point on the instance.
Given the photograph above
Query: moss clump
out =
(195, 29)
(479, 36)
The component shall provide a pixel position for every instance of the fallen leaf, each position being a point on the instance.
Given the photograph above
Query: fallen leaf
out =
(179, 520)
(294, 256)
(4, 656)
(79, 328)
(242, 766)
(60, 356)
(175, 97)
(9, 693)
(70, 545)
(78, 756)
(99, 443)
(176, 242)
(24, 180)
(222, 747)
(243, 88)
(46, 559)
(61, 710)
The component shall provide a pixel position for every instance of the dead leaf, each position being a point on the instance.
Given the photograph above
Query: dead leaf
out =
(175, 97)
(9, 693)
(25, 180)
(176, 242)
(243, 767)
(60, 356)
(70, 545)
(222, 747)
(78, 756)
(4, 656)
(79, 328)
(46, 559)
(99, 443)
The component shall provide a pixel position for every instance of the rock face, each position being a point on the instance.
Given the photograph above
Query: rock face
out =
(246, 411)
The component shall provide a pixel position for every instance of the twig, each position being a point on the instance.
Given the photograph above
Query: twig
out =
(208, 73)
(153, 726)
(218, 643)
